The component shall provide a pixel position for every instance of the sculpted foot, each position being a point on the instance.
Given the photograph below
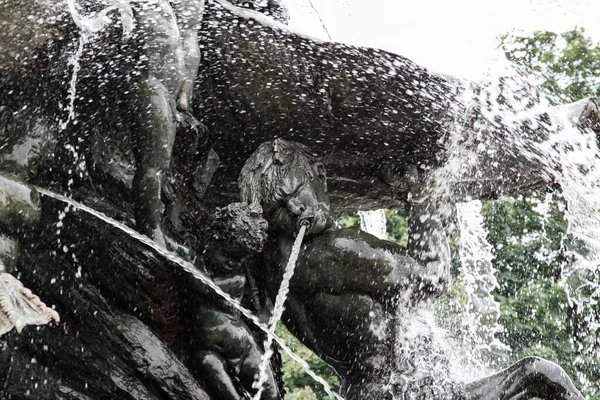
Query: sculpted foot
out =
(181, 250)
(185, 95)
(159, 237)
(19, 307)
(183, 103)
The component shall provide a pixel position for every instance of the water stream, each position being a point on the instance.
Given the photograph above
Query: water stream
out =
(189, 268)
(88, 26)
(373, 222)
(565, 154)
(478, 276)
(278, 309)
(570, 156)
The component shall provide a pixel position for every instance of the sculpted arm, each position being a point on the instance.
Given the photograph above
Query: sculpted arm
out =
(350, 260)
(427, 241)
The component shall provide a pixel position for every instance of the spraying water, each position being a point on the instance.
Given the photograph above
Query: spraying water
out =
(480, 312)
(89, 26)
(548, 143)
(374, 222)
(431, 362)
(194, 272)
(74, 62)
(278, 311)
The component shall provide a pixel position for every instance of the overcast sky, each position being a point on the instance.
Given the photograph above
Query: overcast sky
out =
(457, 37)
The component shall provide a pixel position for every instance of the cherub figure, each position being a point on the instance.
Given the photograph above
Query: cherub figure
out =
(348, 284)
(226, 355)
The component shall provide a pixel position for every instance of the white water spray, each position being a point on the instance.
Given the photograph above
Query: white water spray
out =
(194, 272)
(431, 362)
(551, 142)
(374, 222)
(88, 26)
(477, 273)
(74, 62)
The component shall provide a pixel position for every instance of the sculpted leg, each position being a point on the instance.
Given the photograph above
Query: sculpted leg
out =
(154, 113)
(529, 378)
(250, 368)
(228, 355)
(192, 62)
(153, 143)
(213, 369)
(189, 16)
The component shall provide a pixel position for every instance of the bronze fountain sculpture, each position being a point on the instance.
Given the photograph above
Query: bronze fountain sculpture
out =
(135, 141)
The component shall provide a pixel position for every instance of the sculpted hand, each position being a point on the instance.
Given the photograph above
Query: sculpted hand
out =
(19, 307)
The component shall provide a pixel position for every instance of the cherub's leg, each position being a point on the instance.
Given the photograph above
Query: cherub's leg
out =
(250, 368)
(529, 378)
(154, 120)
(189, 17)
(233, 354)
(213, 369)
(192, 62)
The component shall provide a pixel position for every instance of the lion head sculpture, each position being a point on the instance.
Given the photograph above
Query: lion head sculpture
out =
(290, 185)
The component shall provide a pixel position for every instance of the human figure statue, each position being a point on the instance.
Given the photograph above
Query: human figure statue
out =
(189, 17)
(167, 32)
(348, 284)
(226, 355)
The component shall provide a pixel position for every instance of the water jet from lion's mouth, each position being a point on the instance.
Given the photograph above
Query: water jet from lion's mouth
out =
(279, 307)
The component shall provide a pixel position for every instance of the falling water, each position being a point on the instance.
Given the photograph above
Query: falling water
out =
(435, 344)
(194, 272)
(373, 222)
(88, 26)
(578, 156)
(480, 312)
(562, 152)
(74, 62)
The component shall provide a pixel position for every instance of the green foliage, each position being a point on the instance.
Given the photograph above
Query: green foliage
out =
(349, 220)
(527, 235)
(397, 226)
(527, 243)
(566, 65)
(535, 309)
(300, 386)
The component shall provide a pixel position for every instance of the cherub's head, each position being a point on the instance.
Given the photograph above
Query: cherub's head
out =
(285, 179)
